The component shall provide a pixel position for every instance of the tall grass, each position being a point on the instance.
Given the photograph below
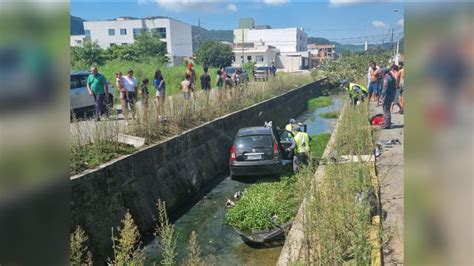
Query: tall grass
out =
(79, 253)
(172, 75)
(165, 232)
(354, 135)
(127, 247)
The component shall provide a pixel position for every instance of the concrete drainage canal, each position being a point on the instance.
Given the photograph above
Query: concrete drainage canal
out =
(218, 242)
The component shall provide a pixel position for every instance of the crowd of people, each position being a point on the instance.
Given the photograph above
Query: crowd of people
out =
(127, 85)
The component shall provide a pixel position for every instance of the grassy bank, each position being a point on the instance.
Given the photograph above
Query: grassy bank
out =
(329, 115)
(269, 199)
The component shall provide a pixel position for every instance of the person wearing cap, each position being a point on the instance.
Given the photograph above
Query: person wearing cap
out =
(131, 85)
(388, 94)
(356, 92)
(302, 148)
(291, 125)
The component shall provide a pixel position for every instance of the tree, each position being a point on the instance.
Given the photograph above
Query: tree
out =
(89, 54)
(122, 53)
(148, 45)
(214, 54)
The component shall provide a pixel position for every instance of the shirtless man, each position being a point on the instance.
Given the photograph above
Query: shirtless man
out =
(374, 82)
(401, 84)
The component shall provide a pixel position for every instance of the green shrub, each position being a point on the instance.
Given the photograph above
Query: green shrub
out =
(127, 247)
(165, 232)
(194, 252)
(318, 144)
(321, 101)
(79, 254)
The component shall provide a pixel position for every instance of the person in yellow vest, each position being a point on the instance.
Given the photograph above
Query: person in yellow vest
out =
(357, 92)
(302, 149)
(291, 125)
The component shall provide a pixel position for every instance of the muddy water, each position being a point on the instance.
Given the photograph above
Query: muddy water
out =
(219, 244)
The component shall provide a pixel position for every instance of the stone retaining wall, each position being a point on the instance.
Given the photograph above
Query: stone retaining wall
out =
(174, 170)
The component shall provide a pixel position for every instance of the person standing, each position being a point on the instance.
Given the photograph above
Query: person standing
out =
(373, 82)
(186, 87)
(273, 69)
(388, 94)
(160, 92)
(192, 78)
(122, 90)
(131, 85)
(401, 84)
(301, 150)
(97, 87)
(396, 100)
(205, 81)
(145, 96)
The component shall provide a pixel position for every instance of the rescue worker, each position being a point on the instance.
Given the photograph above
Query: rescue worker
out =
(291, 125)
(357, 92)
(388, 93)
(302, 149)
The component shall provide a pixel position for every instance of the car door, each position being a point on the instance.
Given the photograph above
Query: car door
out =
(285, 138)
(87, 99)
(76, 97)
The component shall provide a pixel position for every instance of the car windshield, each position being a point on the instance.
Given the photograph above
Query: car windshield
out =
(253, 141)
(262, 68)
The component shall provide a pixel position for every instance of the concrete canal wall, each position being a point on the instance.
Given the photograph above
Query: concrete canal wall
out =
(174, 170)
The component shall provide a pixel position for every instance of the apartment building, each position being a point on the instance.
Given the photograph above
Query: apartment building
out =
(122, 31)
(285, 39)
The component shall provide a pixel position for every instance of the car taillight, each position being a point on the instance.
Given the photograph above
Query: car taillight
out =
(275, 149)
(232, 153)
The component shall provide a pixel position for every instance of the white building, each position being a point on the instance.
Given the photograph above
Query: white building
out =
(122, 31)
(285, 40)
(260, 53)
(293, 62)
(77, 40)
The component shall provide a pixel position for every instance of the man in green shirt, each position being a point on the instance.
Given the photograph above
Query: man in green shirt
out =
(97, 87)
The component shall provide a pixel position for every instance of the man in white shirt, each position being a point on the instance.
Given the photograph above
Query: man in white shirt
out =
(131, 85)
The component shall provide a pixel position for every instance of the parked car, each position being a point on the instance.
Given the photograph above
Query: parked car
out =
(261, 73)
(259, 151)
(81, 101)
(241, 78)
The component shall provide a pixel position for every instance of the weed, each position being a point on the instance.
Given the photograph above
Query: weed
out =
(165, 232)
(127, 247)
(79, 254)
(194, 252)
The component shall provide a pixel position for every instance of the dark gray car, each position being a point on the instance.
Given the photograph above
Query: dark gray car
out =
(259, 151)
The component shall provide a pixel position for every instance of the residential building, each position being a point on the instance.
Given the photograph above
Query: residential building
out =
(285, 39)
(122, 31)
(77, 40)
(322, 52)
(259, 52)
(246, 23)
(293, 62)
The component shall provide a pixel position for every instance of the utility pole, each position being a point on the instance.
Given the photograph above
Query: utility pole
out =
(392, 42)
(243, 56)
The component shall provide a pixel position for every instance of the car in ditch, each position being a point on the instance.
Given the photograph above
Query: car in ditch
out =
(260, 151)
(81, 102)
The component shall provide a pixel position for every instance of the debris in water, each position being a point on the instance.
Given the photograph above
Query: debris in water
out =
(229, 203)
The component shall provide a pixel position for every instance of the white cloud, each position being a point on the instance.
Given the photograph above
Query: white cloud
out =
(275, 2)
(186, 5)
(339, 3)
(400, 22)
(379, 24)
(232, 7)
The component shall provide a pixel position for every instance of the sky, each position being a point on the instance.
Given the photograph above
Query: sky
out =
(344, 21)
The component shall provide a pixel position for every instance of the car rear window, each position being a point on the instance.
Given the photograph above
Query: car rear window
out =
(262, 68)
(253, 141)
(230, 70)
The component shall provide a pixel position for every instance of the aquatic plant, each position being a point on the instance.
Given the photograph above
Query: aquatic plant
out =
(318, 102)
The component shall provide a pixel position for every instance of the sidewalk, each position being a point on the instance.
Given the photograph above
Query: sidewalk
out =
(390, 170)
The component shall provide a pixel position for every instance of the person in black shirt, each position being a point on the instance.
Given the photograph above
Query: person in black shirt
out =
(205, 81)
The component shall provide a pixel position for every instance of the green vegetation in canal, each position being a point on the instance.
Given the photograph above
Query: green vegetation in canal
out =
(261, 202)
(268, 199)
(79, 253)
(321, 101)
(93, 154)
(318, 145)
(329, 114)
(127, 247)
(354, 132)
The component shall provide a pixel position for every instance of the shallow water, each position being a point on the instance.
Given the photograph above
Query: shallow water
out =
(219, 244)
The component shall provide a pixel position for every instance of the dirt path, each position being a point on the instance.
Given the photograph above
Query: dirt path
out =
(390, 170)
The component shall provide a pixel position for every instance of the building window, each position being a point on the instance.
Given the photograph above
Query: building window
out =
(249, 58)
(160, 31)
(124, 43)
(137, 31)
(88, 34)
(123, 31)
(166, 46)
(111, 32)
(259, 58)
(112, 45)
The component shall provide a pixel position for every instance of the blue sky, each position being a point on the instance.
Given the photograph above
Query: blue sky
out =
(344, 21)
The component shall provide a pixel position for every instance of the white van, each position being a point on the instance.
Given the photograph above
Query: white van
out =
(81, 101)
